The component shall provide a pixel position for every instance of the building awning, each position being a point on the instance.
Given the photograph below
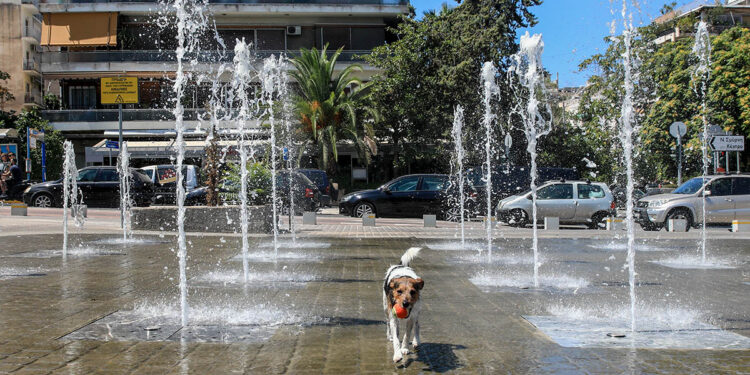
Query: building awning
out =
(8, 134)
(79, 29)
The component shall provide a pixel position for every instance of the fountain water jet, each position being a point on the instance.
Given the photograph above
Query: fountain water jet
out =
(527, 69)
(123, 166)
(70, 189)
(458, 122)
(702, 49)
(490, 89)
(240, 85)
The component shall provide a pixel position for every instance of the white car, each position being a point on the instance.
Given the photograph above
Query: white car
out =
(573, 202)
(164, 177)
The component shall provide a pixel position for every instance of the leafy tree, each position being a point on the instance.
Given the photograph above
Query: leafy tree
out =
(5, 94)
(433, 65)
(53, 140)
(326, 105)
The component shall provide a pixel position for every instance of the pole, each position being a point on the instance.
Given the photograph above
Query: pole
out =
(726, 161)
(738, 162)
(28, 155)
(119, 150)
(679, 161)
(44, 163)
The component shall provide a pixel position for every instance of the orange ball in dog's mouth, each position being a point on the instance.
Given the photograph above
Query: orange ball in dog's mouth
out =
(400, 311)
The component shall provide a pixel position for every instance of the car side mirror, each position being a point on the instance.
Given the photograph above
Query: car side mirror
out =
(707, 193)
(529, 197)
(386, 190)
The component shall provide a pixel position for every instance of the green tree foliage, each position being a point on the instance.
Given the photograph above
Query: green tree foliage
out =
(52, 138)
(666, 92)
(433, 65)
(326, 105)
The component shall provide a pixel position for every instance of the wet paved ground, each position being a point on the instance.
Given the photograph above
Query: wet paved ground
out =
(319, 310)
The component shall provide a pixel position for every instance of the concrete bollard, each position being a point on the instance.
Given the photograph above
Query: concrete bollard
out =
(19, 209)
(368, 220)
(614, 223)
(676, 225)
(740, 225)
(493, 221)
(309, 218)
(551, 223)
(430, 221)
(79, 209)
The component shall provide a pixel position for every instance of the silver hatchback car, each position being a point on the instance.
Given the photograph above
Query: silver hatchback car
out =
(727, 198)
(573, 202)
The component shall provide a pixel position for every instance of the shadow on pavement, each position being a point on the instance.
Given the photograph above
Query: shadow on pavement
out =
(437, 357)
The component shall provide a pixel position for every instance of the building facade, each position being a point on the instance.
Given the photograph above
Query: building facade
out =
(722, 17)
(20, 35)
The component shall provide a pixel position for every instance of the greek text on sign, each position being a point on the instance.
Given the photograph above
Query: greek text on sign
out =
(119, 90)
(728, 143)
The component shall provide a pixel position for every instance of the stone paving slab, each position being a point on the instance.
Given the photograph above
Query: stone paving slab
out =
(339, 327)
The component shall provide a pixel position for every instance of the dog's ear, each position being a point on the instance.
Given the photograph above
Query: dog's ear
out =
(419, 283)
(392, 284)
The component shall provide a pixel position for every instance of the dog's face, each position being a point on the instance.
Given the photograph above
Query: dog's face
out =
(404, 291)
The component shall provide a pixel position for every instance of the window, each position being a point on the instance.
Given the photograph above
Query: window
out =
(337, 37)
(81, 97)
(590, 191)
(557, 191)
(741, 186)
(367, 38)
(271, 40)
(721, 187)
(405, 184)
(107, 175)
(434, 183)
(86, 175)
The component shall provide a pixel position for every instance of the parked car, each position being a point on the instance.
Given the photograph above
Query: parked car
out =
(506, 181)
(406, 196)
(98, 186)
(621, 196)
(320, 178)
(727, 198)
(15, 193)
(164, 178)
(574, 202)
(306, 194)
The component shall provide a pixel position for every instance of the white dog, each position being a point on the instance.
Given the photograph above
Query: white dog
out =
(401, 292)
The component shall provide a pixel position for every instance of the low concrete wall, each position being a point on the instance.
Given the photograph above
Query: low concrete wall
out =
(221, 219)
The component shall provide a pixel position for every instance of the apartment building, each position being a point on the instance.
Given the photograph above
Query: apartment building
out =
(722, 16)
(64, 47)
(20, 33)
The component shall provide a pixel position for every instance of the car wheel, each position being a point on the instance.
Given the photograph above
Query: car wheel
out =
(362, 209)
(680, 213)
(453, 215)
(518, 218)
(597, 221)
(650, 227)
(43, 200)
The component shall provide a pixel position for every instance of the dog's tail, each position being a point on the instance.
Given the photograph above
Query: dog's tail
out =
(409, 255)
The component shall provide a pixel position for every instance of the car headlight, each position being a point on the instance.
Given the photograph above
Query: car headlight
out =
(27, 189)
(658, 203)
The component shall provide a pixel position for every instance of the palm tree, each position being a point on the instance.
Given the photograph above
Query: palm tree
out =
(327, 105)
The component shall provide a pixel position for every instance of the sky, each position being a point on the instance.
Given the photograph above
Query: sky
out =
(572, 30)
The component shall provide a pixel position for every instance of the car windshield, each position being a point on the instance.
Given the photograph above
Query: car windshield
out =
(318, 177)
(690, 187)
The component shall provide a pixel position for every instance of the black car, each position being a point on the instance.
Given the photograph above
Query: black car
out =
(99, 187)
(407, 196)
(320, 178)
(306, 194)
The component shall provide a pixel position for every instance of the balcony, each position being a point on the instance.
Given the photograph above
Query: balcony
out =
(100, 115)
(340, 2)
(32, 98)
(133, 56)
(33, 30)
(31, 65)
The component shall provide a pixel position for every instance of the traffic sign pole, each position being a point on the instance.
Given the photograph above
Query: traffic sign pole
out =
(44, 163)
(679, 161)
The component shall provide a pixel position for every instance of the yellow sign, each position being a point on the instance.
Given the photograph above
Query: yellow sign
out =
(119, 90)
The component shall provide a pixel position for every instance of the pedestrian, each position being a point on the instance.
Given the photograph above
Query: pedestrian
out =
(13, 177)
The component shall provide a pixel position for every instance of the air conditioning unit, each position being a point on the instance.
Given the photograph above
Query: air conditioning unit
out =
(294, 30)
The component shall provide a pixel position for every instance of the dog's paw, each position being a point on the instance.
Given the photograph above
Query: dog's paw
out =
(415, 344)
(397, 357)
(404, 351)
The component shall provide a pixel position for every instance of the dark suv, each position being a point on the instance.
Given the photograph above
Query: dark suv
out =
(99, 187)
(406, 196)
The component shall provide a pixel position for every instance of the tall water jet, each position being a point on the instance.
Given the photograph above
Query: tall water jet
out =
(457, 133)
(123, 168)
(628, 126)
(240, 85)
(285, 111)
(489, 89)
(192, 22)
(527, 69)
(70, 189)
(702, 72)
(269, 77)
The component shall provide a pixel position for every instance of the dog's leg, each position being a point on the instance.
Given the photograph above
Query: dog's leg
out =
(415, 343)
(397, 356)
(387, 318)
(407, 337)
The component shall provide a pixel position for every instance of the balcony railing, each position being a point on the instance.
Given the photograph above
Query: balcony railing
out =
(166, 56)
(32, 98)
(33, 30)
(32, 64)
(98, 115)
(340, 2)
